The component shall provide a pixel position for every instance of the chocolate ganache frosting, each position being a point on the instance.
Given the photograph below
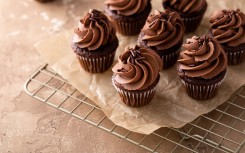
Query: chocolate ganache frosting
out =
(137, 68)
(163, 30)
(93, 31)
(187, 6)
(203, 57)
(127, 7)
(228, 27)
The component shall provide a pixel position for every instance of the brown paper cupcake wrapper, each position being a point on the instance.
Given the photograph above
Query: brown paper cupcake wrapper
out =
(129, 25)
(192, 23)
(235, 58)
(128, 28)
(96, 64)
(137, 98)
(170, 59)
(202, 92)
(169, 56)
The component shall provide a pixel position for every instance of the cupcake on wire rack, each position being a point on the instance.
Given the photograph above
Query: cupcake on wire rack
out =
(163, 33)
(191, 11)
(228, 27)
(136, 75)
(202, 67)
(128, 16)
(95, 42)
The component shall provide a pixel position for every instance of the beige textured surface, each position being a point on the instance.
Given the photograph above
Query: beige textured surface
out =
(27, 125)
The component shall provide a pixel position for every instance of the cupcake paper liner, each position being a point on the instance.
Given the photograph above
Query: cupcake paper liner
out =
(170, 59)
(235, 58)
(169, 56)
(96, 64)
(192, 21)
(128, 28)
(137, 98)
(96, 61)
(202, 92)
(129, 25)
(235, 55)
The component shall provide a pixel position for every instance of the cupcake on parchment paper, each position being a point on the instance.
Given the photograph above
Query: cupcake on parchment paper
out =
(163, 33)
(191, 11)
(136, 75)
(128, 16)
(202, 67)
(228, 27)
(95, 42)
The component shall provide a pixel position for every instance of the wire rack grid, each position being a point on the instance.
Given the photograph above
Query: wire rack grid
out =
(220, 131)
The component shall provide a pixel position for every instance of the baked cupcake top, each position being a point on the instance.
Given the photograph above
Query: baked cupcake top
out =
(93, 31)
(202, 57)
(137, 68)
(228, 27)
(163, 30)
(186, 6)
(127, 7)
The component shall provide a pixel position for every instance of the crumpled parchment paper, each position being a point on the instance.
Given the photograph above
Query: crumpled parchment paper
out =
(171, 106)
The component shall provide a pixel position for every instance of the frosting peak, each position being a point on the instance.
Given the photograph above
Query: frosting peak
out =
(187, 6)
(163, 30)
(137, 68)
(93, 31)
(203, 57)
(228, 27)
(127, 7)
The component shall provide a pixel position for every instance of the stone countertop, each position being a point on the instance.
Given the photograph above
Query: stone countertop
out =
(28, 125)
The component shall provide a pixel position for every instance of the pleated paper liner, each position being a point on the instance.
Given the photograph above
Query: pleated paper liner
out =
(203, 90)
(136, 98)
(96, 65)
(129, 25)
(99, 60)
(169, 56)
(192, 21)
(235, 55)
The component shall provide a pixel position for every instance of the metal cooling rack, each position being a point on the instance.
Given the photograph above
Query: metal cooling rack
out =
(221, 131)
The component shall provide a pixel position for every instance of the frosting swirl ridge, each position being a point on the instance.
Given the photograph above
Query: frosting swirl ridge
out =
(93, 31)
(203, 57)
(187, 6)
(137, 68)
(127, 7)
(228, 27)
(163, 30)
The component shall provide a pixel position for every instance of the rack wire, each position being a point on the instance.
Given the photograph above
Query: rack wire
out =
(220, 131)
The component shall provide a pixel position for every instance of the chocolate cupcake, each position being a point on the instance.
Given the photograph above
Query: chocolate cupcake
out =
(228, 27)
(95, 42)
(136, 75)
(191, 11)
(202, 67)
(128, 16)
(163, 33)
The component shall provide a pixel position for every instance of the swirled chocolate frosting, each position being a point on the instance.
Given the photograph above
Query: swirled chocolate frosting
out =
(163, 30)
(93, 31)
(137, 68)
(127, 7)
(186, 6)
(203, 57)
(228, 27)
